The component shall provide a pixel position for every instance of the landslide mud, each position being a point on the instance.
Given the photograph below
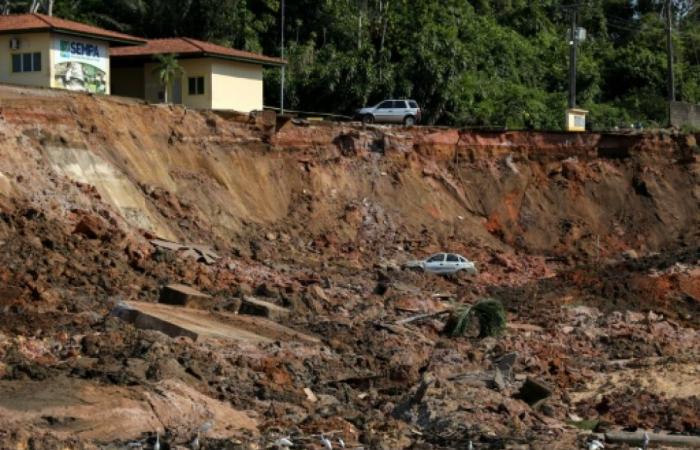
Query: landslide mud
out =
(590, 241)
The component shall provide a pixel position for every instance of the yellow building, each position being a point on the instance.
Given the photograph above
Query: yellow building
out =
(47, 51)
(214, 77)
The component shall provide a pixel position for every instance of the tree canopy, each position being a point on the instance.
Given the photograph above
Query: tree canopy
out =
(489, 63)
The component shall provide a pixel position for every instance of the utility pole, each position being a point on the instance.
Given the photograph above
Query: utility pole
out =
(283, 66)
(669, 50)
(572, 58)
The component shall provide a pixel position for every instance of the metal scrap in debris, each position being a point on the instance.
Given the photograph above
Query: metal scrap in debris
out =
(198, 252)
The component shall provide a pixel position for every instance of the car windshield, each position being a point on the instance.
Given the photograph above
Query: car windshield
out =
(413, 104)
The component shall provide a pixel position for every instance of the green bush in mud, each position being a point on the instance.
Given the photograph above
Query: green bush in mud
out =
(489, 313)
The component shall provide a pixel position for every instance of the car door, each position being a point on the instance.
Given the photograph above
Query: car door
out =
(398, 111)
(452, 263)
(384, 111)
(435, 263)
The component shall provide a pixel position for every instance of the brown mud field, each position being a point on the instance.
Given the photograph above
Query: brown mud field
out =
(296, 235)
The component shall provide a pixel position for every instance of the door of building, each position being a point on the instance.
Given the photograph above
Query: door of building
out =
(177, 91)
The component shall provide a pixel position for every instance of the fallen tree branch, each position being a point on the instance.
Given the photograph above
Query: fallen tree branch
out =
(422, 317)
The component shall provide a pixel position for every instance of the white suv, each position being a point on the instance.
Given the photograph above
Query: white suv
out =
(406, 112)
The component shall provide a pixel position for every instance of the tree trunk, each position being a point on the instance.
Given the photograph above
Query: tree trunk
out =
(359, 25)
(386, 23)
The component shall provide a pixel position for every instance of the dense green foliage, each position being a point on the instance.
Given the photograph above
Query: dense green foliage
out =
(467, 62)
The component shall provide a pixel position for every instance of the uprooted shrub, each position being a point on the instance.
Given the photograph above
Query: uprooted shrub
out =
(489, 313)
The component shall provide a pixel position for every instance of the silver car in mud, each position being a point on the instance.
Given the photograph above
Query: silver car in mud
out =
(445, 264)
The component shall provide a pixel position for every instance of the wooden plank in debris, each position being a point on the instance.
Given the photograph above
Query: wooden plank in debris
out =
(181, 295)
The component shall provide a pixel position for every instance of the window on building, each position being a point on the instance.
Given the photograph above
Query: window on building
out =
(26, 62)
(36, 62)
(196, 85)
(16, 63)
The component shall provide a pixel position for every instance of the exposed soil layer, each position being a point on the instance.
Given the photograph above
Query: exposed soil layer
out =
(592, 243)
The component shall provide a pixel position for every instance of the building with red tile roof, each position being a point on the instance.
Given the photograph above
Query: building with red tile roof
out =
(214, 76)
(47, 51)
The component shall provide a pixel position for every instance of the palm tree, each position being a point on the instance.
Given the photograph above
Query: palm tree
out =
(168, 69)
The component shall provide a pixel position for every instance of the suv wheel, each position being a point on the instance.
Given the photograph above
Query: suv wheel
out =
(409, 121)
(368, 118)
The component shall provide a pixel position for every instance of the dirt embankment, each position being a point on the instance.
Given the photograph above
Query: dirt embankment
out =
(181, 174)
(591, 241)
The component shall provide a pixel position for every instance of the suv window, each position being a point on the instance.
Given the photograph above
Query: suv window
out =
(412, 104)
(452, 258)
(437, 258)
(386, 105)
(399, 104)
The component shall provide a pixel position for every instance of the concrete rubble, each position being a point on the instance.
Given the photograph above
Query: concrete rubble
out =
(181, 295)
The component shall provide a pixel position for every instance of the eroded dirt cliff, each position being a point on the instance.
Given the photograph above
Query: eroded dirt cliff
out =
(592, 242)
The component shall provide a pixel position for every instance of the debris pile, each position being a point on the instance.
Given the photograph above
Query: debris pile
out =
(295, 322)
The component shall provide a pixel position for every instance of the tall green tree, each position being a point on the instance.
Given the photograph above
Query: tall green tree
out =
(168, 70)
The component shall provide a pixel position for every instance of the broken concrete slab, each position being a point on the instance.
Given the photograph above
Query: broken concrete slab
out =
(182, 295)
(190, 254)
(205, 250)
(199, 324)
(201, 253)
(147, 321)
(207, 259)
(174, 246)
(533, 391)
(255, 307)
